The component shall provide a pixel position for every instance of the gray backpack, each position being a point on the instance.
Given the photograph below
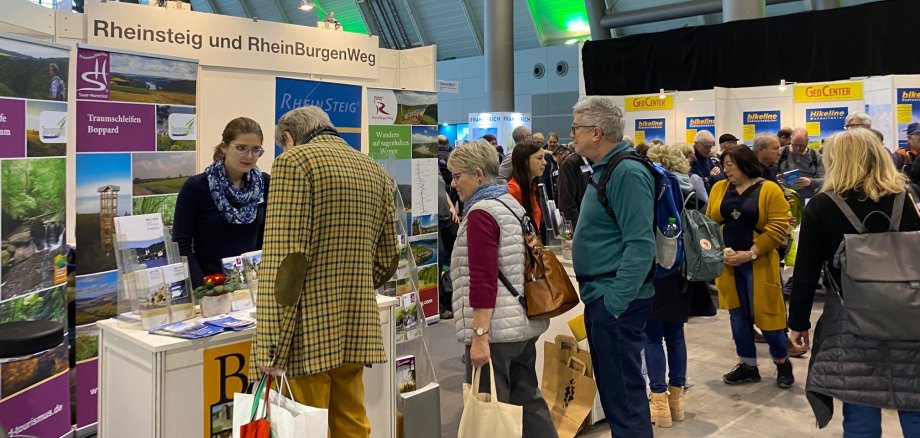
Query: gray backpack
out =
(703, 245)
(879, 277)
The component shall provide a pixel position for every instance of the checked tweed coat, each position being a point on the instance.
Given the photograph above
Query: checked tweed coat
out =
(335, 205)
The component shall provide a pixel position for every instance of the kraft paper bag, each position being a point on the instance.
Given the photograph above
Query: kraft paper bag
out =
(568, 385)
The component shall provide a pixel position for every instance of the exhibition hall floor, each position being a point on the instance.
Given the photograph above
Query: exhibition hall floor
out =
(714, 409)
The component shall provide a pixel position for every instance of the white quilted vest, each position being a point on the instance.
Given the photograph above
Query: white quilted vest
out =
(509, 319)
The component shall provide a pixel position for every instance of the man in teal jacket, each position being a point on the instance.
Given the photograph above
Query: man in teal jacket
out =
(612, 260)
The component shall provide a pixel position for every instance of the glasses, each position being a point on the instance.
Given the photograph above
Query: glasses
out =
(576, 126)
(801, 146)
(727, 165)
(256, 151)
(854, 125)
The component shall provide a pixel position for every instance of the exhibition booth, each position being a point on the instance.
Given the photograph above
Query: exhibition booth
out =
(104, 115)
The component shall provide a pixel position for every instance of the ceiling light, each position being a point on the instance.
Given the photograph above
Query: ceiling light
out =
(571, 41)
(306, 5)
(578, 25)
(661, 95)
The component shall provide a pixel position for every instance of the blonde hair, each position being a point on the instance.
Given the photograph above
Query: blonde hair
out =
(477, 154)
(671, 157)
(855, 160)
(687, 149)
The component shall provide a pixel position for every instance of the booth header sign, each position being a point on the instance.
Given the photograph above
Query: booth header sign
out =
(223, 41)
(650, 103)
(828, 92)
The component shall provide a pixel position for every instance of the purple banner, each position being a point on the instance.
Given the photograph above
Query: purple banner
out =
(93, 74)
(87, 392)
(43, 410)
(115, 127)
(12, 128)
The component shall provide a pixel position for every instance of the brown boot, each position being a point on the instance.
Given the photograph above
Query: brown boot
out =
(661, 412)
(676, 402)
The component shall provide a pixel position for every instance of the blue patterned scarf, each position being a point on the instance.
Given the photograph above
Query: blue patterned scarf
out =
(485, 191)
(236, 206)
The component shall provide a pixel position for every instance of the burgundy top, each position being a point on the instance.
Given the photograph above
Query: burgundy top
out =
(482, 237)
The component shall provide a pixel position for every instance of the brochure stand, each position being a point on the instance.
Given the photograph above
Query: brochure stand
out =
(419, 400)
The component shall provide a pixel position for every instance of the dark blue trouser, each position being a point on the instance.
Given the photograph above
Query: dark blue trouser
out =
(616, 345)
(672, 333)
(742, 321)
(866, 422)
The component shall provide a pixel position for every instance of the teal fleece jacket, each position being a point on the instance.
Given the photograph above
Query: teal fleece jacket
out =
(627, 246)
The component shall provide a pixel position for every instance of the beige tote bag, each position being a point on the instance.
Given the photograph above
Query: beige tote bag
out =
(484, 416)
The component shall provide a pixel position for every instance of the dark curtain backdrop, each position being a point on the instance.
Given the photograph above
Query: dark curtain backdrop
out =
(869, 40)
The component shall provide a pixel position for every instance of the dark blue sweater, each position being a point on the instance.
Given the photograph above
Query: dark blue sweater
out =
(202, 234)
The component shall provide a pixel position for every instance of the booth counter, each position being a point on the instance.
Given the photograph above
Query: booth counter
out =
(160, 386)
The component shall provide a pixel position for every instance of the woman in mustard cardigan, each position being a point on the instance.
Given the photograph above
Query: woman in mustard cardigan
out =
(753, 215)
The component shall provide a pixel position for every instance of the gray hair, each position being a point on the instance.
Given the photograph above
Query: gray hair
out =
(519, 133)
(300, 123)
(860, 117)
(603, 113)
(477, 154)
(762, 141)
(703, 135)
(800, 131)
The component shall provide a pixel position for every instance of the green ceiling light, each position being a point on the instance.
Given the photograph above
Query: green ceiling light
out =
(349, 17)
(571, 41)
(559, 20)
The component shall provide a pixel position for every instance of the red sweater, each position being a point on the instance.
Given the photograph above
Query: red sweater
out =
(514, 189)
(482, 237)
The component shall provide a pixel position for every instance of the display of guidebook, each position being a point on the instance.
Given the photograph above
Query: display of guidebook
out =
(405, 374)
(144, 235)
(234, 272)
(180, 297)
(228, 322)
(152, 297)
(252, 261)
(186, 330)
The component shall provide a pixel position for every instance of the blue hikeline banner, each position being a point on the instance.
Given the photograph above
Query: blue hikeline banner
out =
(822, 123)
(760, 122)
(696, 124)
(649, 130)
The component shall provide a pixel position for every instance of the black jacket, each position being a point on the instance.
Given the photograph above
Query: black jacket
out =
(572, 185)
(844, 366)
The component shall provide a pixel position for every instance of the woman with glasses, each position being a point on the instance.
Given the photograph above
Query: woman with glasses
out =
(221, 212)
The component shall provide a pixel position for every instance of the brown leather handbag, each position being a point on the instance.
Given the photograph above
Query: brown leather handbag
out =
(548, 292)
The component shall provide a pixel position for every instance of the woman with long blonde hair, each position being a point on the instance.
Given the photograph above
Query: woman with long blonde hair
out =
(865, 374)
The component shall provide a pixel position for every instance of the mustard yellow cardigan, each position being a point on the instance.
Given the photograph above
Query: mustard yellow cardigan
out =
(769, 309)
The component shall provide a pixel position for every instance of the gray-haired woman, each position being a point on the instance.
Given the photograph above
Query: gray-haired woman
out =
(490, 321)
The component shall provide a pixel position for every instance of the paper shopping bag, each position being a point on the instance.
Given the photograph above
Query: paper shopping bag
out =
(568, 386)
(291, 419)
(484, 416)
(246, 424)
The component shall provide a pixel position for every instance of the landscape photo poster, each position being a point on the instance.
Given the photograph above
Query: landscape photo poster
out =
(403, 138)
(136, 147)
(34, 389)
(341, 102)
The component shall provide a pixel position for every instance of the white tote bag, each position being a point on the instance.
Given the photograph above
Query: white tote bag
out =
(289, 419)
(484, 416)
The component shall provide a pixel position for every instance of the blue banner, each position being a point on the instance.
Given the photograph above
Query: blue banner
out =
(343, 103)
(760, 122)
(822, 123)
(649, 130)
(908, 112)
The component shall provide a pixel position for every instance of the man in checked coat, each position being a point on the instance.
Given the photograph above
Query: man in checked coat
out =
(334, 205)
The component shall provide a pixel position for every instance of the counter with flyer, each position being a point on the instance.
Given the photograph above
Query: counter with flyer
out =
(161, 386)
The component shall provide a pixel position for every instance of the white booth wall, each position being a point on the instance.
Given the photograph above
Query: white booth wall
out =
(731, 103)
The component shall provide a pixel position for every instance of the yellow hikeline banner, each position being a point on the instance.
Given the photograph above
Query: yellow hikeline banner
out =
(828, 92)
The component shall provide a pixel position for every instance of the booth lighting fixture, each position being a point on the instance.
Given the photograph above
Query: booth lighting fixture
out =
(306, 5)
(571, 41)
(783, 83)
(662, 93)
(445, 124)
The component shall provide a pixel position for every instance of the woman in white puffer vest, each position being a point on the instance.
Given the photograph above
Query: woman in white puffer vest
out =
(489, 319)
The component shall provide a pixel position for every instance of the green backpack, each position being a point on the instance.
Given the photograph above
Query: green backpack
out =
(703, 245)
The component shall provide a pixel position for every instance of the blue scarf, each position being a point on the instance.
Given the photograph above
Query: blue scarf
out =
(485, 191)
(236, 206)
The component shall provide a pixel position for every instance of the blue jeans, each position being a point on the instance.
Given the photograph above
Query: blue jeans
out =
(673, 335)
(742, 320)
(616, 345)
(866, 422)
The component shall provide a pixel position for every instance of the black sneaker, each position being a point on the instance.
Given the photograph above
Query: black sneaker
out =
(784, 377)
(742, 374)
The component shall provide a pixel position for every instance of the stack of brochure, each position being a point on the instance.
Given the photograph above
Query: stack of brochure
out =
(197, 329)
